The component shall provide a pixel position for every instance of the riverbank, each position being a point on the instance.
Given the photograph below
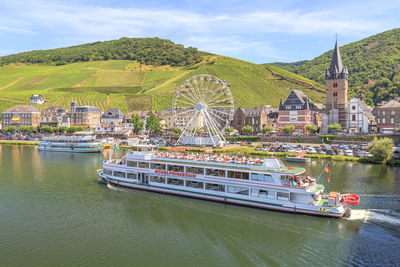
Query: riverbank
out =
(19, 143)
(249, 150)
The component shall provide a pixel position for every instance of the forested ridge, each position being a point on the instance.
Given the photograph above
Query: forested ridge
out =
(373, 63)
(150, 51)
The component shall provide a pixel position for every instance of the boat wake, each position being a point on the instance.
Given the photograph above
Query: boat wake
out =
(376, 216)
(116, 188)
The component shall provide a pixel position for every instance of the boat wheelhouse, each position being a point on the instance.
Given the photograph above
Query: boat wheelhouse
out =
(81, 144)
(263, 184)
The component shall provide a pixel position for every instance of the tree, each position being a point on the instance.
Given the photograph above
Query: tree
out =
(247, 130)
(336, 127)
(62, 129)
(137, 123)
(229, 130)
(312, 128)
(153, 123)
(288, 129)
(381, 149)
(267, 129)
(27, 129)
(46, 129)
(74, 129)
(177, 130)
(10, 129)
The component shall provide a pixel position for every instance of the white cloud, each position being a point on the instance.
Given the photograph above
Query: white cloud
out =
(218, 32)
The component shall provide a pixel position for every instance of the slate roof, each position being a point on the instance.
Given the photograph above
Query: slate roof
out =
(336, 69)
(22, 108)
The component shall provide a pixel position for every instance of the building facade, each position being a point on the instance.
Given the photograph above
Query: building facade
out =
(21, 115)
(36, 99)
(52, 116)
(296, 110)
(254, 117)
(336, 80)
(113, 114)
(387, 116)
(87, 116)
(360, 119)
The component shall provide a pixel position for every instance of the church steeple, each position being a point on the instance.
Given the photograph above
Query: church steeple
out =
(337, 69)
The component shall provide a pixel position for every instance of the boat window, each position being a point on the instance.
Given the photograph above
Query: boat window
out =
(132, 163)
(195, 170)
(238, 190)
(216, 172)
(194, 184)
(176, 168)
(238, 175)
(263, 193)
(157, 179)
(131, 175)
(262, 177)
(215, 187)
(282, 196)
(144, 165)
(119, 174)
(158, 166)
(175, 181)
(107, 171)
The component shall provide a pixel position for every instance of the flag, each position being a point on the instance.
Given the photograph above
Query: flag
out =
(116, 147)
(328, 171)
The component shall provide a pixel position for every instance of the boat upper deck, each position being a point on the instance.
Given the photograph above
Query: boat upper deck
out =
(223, 161)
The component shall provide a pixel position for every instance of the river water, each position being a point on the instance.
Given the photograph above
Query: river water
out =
(54, 213)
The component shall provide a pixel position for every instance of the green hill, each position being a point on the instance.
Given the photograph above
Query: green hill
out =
(152, 51)
(131, 85)
(373, 63)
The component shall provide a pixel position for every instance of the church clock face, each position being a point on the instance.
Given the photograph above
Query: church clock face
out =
(353, 107)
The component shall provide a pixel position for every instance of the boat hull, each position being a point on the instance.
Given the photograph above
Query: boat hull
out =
(223, 199)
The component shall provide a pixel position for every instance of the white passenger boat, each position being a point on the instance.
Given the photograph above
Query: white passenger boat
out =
(262, 184)
(70, 144)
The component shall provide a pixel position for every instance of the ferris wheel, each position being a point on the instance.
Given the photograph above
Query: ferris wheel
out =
(203, 106)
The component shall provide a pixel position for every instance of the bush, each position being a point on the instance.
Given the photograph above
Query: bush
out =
(74, 129)
(10, 129)
(47, 129)
(336, 127)
(288, 129)
(381, 149)
(27, 129)
(327, 139)
(243, 138)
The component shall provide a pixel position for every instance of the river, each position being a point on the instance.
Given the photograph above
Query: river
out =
(54, 213)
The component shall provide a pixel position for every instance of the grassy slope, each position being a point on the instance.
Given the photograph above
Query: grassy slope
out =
(129, 85)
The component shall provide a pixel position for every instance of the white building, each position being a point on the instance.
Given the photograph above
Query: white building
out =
(109, 127)
(360, 117)
(36, 99)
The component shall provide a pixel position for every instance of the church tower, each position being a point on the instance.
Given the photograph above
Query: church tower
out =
(336, 80)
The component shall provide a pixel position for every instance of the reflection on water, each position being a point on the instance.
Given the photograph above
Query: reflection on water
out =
(55, 213)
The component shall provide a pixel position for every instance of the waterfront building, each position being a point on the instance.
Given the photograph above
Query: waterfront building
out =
(387, 116)
(109, 127)
(360, 119)
(52, 116)
(336, 80)
(296, 110)
(21, 115)
(36, 99)
(113, 114)
(87, 116)
(254, 117)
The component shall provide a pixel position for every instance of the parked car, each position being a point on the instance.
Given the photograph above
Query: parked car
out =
(348, 152)
(331, 152)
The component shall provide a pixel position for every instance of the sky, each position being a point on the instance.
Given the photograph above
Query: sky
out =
(256, 31)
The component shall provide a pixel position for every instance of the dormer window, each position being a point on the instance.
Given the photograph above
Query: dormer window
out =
(334, 85)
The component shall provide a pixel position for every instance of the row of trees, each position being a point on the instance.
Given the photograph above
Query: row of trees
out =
(44, 129)
(287, 129)
(150, 51)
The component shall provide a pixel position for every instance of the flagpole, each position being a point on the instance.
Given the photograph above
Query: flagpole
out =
(322, 172)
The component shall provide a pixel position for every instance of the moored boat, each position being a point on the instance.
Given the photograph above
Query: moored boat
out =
(262, 184)
(80, 144)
